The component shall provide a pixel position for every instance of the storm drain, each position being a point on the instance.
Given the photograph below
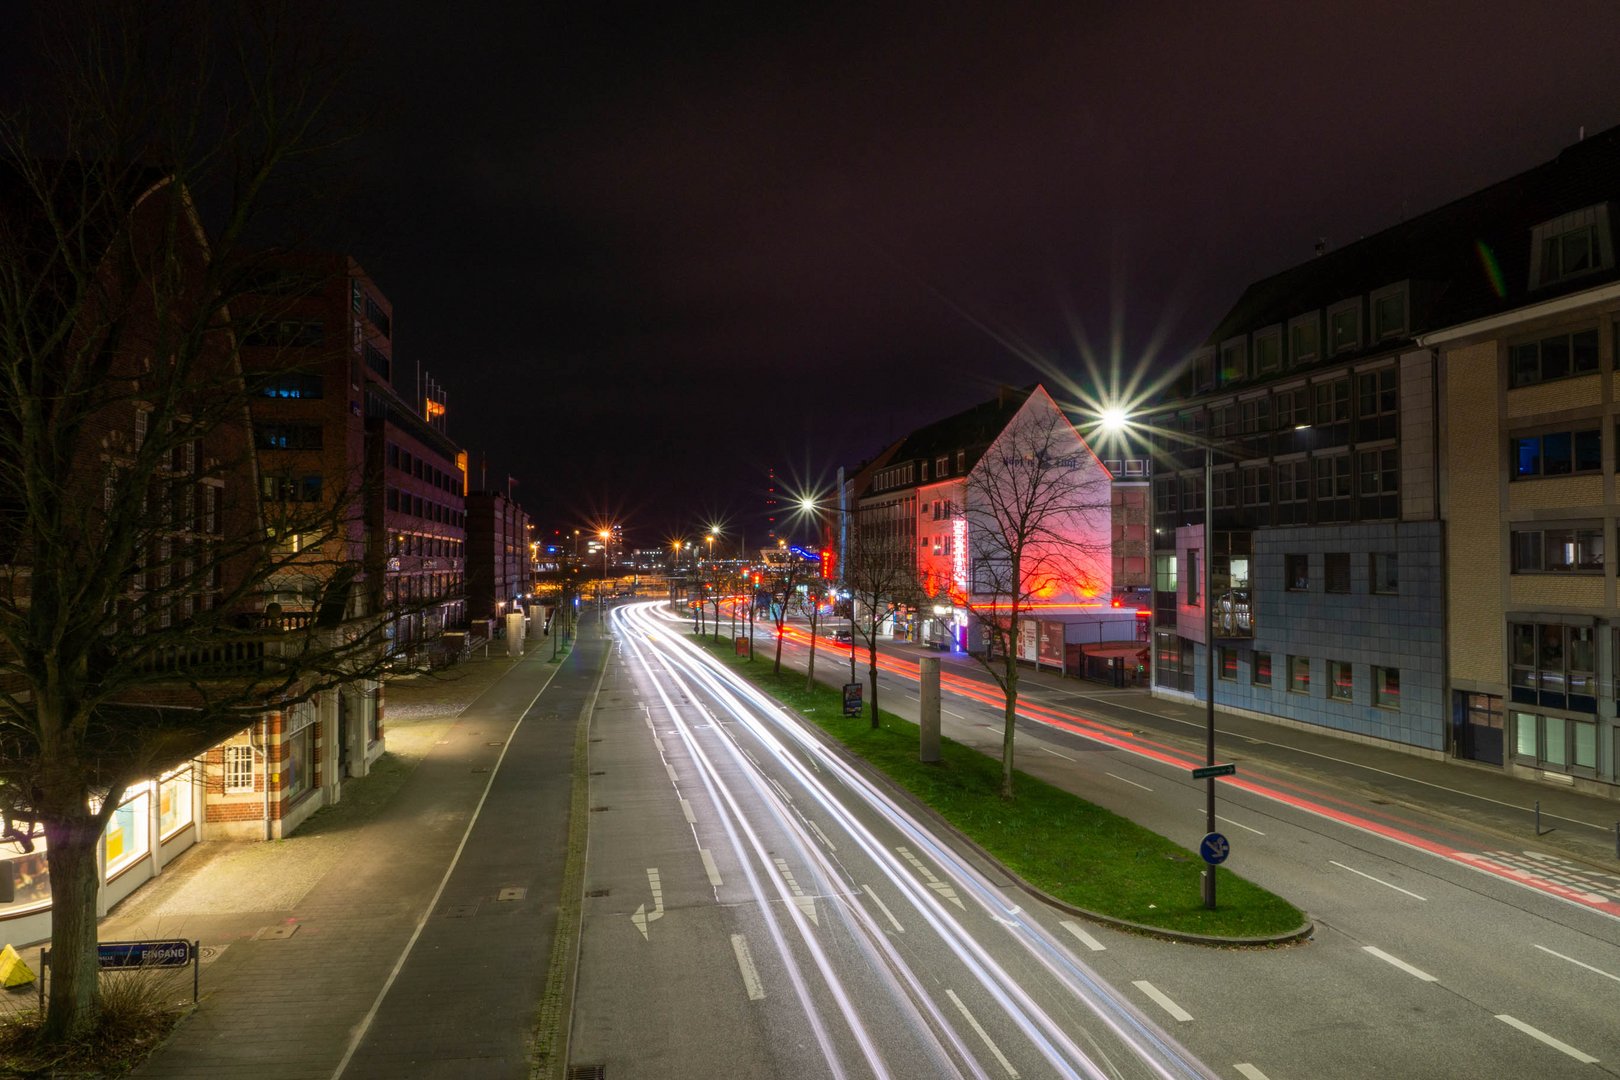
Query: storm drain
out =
(598, 809)
(458, 911)
(481, 768)
(587, 1072)
(599, 892)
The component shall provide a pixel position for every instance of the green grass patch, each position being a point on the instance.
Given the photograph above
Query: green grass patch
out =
(1059, 843)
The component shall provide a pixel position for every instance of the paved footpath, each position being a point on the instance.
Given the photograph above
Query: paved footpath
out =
(314, 980)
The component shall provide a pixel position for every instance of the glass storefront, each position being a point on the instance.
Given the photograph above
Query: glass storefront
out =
(174, 802)
(128, 836)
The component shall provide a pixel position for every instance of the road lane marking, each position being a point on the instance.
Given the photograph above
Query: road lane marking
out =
(1402, 964)
(885, 909)
(1583, 1058)
(709, 868)
(1054, 753)
(953, 715)
(1133, 783)
(642, 918)
(1090, 942)
(1239, 824)
(934, 883)
(745, 964)
(1380, 881)
(671, 770)
(983, 1034)
(1577, 963)
(807, 904)
(817, 830)
(686, 811)
(1176, 1011)
(780, 790)
(1250, 1072)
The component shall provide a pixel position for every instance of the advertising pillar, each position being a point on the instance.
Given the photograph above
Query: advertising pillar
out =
(514, 633)
(928, 716)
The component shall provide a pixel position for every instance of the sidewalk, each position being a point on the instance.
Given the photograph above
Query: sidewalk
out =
(300, 935)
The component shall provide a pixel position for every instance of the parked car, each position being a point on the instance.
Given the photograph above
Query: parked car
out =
(843, 637)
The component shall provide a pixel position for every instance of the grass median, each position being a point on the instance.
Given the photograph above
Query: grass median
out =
(1058, 842)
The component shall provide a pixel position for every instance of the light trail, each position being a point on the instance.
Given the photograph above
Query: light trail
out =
(766, 721)
(1274, 790)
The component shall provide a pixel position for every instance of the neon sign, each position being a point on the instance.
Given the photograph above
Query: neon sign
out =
(959, 563)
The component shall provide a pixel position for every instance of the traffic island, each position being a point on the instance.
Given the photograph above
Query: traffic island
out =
(1081, 857)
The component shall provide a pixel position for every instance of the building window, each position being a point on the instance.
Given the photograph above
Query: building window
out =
(1332, 487)
(1384, 572)
(1564, 549)
(1299, 674)
(1297, 572)
(1556, 453)
(1260, 673)
(1344, 327)
(1340, 680)
(1291, 409)
(1228, 659)
(1555, 742)
(1377, 401)
(174, 802)
(1558, 357)
(1332, 404)
(128, 836)
(1389, 312)
(1268, 351)
(293, 384)
(1377, 487)
(1336, 572)
(1234, 361)
(1387, 687)
(1257, 488)
(376, 360)
(1571, 246)
(1225, 485)
(1305, 338)
(1293, 492)
(287, 436)
(1553, 665)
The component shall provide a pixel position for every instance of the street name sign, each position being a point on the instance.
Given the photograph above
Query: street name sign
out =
(1204, 772)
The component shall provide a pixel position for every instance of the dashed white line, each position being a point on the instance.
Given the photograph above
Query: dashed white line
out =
(1239, 824)
(1250, 1072)
(1090, 942)
(894, 922)
(745, 964)
(1054, 753)
(1563, 1047)
(1176, 1011)
(1402, 964)
(817, 830)
(1380, 881)
(671, 770)
(709, 868)
(686, 811)
(983, 1034)
(1133, 783)
(1577, 963)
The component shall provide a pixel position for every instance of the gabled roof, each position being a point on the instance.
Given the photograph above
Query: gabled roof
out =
(1465, 260)
(971, 431)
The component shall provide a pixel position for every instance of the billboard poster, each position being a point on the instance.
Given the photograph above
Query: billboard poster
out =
(1027, 634)
(1051, 645)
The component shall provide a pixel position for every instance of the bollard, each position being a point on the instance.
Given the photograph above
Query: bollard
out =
(1538, 817)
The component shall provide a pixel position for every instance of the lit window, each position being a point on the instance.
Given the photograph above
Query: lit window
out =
(1340, 680)
(1567, 549)
(1260, 674)
(1385, 572)
(1387, 687)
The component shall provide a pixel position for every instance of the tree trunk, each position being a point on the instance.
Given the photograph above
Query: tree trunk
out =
(1009, 718)
(75, 878)
(810, 668)
(871, 675)
(781, 628)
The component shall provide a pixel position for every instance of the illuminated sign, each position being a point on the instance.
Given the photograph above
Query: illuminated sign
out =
(434, 408)
(959, 555)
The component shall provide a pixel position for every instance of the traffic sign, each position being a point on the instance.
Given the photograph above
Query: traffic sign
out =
(1214, 848)
(1204, 772)
(134, 954)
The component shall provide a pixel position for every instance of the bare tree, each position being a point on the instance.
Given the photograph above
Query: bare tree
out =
(1037, 511)
(136, 559)
(815, 594)
(782, 591)
(880, 575)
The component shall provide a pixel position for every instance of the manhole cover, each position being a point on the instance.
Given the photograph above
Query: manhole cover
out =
(458, 911)
(210, 953)
(481, 768)
(511, 892)
(280, 932)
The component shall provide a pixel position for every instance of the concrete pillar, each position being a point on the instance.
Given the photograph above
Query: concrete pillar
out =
(514, 633)
(928, 713)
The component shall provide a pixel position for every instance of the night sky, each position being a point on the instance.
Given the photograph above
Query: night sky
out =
(652, 255)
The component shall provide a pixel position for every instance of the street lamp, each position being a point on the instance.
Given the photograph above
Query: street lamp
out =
(601, 593)
(1117, 420)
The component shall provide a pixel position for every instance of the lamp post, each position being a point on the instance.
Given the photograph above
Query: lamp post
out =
(1115, 419)
(601, 592)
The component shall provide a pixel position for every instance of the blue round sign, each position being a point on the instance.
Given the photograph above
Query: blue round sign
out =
(1214, 848)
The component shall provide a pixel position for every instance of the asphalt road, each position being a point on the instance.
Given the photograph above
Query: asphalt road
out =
(1444, 948)
(755, 907)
